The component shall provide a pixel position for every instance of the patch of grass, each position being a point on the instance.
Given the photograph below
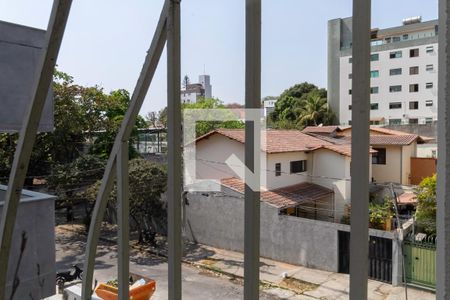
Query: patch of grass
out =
(296, 285)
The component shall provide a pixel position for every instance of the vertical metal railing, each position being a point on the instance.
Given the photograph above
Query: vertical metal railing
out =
(359, 219)
(443, 169)
(174, 149)
(252, 148)
(27, 136)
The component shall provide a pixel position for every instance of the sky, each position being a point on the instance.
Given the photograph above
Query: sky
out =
(106, 41)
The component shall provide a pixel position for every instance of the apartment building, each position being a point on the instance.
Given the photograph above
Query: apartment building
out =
(404, 72)
(192, 92)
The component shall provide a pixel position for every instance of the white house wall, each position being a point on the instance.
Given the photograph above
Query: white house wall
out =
(286, 179)
(390, 172)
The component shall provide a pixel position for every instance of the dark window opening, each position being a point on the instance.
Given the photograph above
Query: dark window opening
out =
(298, 166)
(379, 158)
(278, 169)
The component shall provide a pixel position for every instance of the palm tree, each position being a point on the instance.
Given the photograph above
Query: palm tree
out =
(313, 110)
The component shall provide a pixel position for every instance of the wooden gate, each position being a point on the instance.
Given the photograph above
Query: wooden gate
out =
(420, 262)
(380, 257)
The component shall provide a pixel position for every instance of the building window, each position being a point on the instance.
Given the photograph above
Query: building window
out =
(395, 54)
(414, 52)
(350, 60)
(278, 169)
(375, 74)
(374, 90)
(414, 88)
(414, 70)
(388, 40)
(395, 121)
(430, 49)
(350, 76)
(395, 88)
(395, 105)
(429, 85)
(429, 103)
(414, 105)
(396, 39)
(374, 106)
(394, 72)
(350, 107)
(413, 121)
(349, 92)
(298, 166)
(405, 37)
(374, 57)
(379, 158)
(428, 120)
(429, 68)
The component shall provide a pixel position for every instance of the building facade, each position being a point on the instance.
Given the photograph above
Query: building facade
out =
(404, 72)
(192, 92)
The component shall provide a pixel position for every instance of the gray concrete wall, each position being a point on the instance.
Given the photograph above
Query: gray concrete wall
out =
(20, 51)
(217, 219)
(428, 130)
(35, 218)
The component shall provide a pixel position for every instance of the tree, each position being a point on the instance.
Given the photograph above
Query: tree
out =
(313, 110)
(148, 181)
(426, 206)
(186, 81)
(152, 119)
(203, 127)
(301, 105)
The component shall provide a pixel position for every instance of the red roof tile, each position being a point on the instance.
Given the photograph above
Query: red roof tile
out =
(277, 141)
(284, 197)
(401, 140)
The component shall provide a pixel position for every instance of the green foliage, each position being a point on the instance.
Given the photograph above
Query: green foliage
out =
(148, 182)
(301, 105)
(426, 207)
(203, 127)
(380, 213)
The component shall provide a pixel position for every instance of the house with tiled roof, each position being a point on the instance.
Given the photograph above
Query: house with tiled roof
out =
(300, 169)
(395, 152)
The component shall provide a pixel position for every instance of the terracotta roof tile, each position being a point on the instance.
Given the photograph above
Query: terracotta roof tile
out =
(321, 129)
(284, 197)
(401, 140)
(277, 140)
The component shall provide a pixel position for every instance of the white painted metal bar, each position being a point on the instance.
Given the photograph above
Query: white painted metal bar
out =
(123, 208)
(43, 80)
(140, 91)
(174, 138)
(359, 220)
(252, 148)
(443, 168)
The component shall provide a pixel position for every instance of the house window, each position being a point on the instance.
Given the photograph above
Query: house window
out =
(405, 37)
(374, 57)
(396, 39)
(374, 106)
(430, 49)
(395, 88)
(375, 74)
(278, 169)
(394, 72)
(350, 60)
(298, 166)
(379, 158)
(350, 76)
(350, 107)
(413, 121)
(374, 90)
(388, 40)
(395, 105)
(414, 105)
(414, 52)
(428, 120)
(429, 103)
(349, 92)
(429, 85)
(429, 68)
(414, 70)
(414, 88)
(395, 121)
(395, 54)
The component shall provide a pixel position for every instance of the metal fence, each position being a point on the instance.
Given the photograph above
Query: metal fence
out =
(420, 262)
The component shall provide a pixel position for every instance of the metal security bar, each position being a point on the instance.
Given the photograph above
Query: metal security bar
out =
(43, 80)
(443, 169)
(359, 218)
